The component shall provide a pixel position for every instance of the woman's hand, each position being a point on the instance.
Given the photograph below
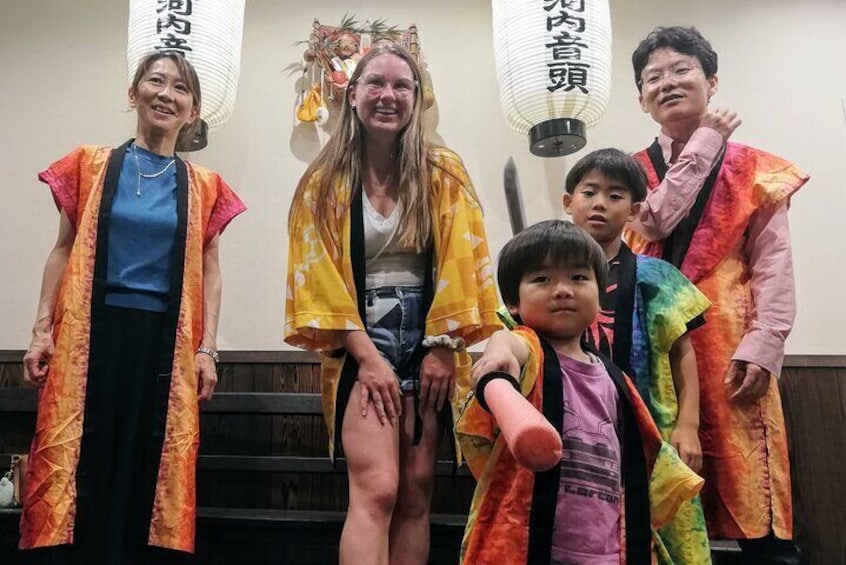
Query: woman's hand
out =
(437, 377)
(685, 439)
(37, 359)
(206, 371)
(379, 385)
(40, 351)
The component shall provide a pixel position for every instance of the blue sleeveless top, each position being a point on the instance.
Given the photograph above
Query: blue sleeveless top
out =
(142, 230)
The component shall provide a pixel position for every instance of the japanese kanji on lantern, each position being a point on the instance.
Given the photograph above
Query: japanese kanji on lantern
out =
(207, 32)
(553, 66)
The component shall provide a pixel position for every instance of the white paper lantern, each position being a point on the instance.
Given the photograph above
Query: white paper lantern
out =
(553, 66)
(207, 32)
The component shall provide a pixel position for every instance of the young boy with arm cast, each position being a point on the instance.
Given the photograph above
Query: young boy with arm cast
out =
(616, 479)
(645, 318)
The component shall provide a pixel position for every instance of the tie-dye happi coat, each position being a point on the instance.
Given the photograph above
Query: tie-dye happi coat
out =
(747, 489)
(83, 184)
(653, 305)
(512, 512)
(321, 303)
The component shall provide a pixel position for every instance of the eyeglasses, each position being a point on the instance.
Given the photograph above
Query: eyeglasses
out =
(677, 72)
(375, 84)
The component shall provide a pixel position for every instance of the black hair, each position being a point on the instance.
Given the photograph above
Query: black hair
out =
(186, 72)
(560, 241)
(686, 40)
(614, 164)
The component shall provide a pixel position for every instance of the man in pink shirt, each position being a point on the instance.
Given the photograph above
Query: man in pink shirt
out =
(718, 211)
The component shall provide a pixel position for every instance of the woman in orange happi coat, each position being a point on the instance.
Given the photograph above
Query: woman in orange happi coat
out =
(124, 342)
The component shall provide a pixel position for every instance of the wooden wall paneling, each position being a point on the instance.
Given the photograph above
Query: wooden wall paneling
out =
(814, 401)
(277, 494)
(250, 435)
(813, 391)
(16, 429)
(228, 434)
(262, 483)
(11, 374)
(325, 491)
(212, 440)
(295, 435)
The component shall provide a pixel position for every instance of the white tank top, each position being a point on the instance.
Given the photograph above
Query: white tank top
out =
(386, 262)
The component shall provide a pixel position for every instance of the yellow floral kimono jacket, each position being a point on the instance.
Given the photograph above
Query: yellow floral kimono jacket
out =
(83, 184)
(322, 296)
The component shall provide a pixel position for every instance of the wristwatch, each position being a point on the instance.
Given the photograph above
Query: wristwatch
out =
(210, 352)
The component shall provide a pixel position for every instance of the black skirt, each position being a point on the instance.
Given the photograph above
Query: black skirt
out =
(119, 453)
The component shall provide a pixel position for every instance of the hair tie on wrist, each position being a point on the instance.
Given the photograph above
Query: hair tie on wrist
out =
(443, 340)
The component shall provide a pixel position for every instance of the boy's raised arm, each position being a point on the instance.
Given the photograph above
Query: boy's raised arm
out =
(504, 352)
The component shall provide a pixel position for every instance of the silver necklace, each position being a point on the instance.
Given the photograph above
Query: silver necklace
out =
(150, 176)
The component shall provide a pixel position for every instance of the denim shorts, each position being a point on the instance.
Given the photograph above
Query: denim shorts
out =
(395, 323)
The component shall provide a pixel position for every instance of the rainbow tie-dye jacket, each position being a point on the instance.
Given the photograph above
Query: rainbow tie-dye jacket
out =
(654, 303)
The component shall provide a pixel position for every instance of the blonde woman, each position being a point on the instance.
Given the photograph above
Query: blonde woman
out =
(389, 277)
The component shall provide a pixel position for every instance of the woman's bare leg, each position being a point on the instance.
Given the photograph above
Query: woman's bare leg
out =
(409, 541)
(372, 453)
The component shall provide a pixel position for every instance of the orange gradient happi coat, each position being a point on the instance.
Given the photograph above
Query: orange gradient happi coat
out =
(747, 486)
(50, 501)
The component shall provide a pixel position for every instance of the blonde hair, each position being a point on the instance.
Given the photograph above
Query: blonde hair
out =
(188, 75)
(341, 158)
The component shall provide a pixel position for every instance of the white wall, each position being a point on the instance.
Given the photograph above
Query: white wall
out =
(64, 82)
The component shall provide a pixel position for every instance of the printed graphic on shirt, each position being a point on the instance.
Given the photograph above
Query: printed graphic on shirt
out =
(590, 466)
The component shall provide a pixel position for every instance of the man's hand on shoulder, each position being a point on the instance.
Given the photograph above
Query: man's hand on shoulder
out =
(721, 120)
